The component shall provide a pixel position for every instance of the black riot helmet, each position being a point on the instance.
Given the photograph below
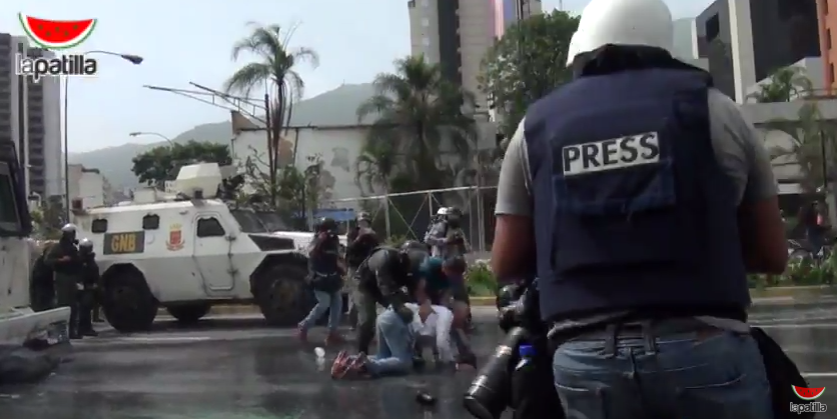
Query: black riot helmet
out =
(85, 247)
(413, 254)
(68, 232)
(326, 224)
(454, 216)
(413, 245)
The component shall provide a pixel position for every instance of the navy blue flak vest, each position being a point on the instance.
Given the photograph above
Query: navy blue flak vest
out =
(631, 207)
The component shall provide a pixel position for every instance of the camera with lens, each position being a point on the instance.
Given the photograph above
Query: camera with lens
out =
(491, 391)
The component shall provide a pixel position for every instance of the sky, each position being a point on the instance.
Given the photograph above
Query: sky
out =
(186, 41)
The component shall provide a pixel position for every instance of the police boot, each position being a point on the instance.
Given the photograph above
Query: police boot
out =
(89, 332)
(74, 324)
(97, 315)
(74, 333)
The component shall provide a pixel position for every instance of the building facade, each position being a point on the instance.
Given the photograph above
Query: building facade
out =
(456, 34)
(827, 16)
(90, 186)
(30, 117)
(746, 40)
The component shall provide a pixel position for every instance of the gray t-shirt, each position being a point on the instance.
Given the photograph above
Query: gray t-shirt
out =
(738, 147)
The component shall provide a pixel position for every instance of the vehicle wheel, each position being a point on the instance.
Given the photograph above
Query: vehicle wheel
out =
(283, 295)
(189, 313)
(127, 302)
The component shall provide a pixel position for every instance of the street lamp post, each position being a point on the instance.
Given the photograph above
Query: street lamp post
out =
(133, 59)
(154, 134)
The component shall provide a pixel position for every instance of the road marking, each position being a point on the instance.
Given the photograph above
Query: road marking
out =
(797, 326)
(164, 339)
(819, 374)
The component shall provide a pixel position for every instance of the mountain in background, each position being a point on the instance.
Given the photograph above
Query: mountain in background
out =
(333, 108)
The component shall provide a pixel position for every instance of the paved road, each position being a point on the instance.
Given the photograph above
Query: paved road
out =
(234, 368)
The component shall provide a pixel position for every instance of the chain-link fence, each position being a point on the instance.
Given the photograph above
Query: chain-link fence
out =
(405, 216)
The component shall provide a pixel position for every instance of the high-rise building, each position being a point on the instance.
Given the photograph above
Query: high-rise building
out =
(456, 34)
(827, 16)
(30, 117)
(745, 40)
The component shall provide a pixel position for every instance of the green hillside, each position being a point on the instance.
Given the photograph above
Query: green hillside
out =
(336, 107)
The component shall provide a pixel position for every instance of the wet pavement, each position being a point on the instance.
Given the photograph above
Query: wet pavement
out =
(235, 368)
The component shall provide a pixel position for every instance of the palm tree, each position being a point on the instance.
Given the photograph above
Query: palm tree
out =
(784, 85)
(378, 161)
(275, 69)
(418, 109)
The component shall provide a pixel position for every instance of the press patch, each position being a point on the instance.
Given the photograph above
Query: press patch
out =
(612, 154)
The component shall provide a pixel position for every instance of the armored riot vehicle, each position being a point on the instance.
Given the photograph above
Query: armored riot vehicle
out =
(18, 322)
(189, 250)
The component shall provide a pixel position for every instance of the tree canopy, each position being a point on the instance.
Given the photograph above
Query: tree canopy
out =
(160, 164)
(419, 117)
(811, 138)
(784, 85)
(275, 68)
(527, 63)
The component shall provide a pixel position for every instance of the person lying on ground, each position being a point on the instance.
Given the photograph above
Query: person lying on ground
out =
(430, 328)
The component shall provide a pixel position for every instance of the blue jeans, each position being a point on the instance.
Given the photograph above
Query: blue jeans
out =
(325, 300)
(395, 346)
(687, 375)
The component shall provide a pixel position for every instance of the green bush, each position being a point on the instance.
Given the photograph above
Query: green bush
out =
(481, 281)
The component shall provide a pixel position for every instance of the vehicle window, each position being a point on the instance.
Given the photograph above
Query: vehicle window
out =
(151, 222)
(210, 227)
(249, 221)
(99, 226)
(273, 221)
(9, 217)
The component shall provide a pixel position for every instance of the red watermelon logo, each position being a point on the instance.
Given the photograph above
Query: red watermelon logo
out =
(808, 394)
(56, 34)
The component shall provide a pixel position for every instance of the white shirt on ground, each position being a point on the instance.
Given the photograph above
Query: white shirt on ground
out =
(438, 324)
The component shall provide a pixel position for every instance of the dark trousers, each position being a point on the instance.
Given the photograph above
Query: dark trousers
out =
(66, 295)
(367, 315)
(87, 301)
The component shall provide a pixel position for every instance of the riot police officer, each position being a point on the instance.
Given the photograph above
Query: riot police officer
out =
(325, 275)
(382, 278)
(445, 236)
(64, 259)
(653, 198)
(42, 283)
(90, 283)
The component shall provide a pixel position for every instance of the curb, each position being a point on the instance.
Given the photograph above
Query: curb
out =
(794, 292)
(770, 296)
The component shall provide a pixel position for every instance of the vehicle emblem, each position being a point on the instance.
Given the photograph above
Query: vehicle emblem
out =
(175, 241)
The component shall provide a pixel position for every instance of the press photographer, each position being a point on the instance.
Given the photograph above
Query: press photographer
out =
(325, 276)
(645, 197)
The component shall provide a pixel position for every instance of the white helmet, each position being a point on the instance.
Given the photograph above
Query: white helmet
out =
(623, 22)
(442, 211)
(575, 47)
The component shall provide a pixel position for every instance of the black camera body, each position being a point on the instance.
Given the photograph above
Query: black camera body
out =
(491, 391)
